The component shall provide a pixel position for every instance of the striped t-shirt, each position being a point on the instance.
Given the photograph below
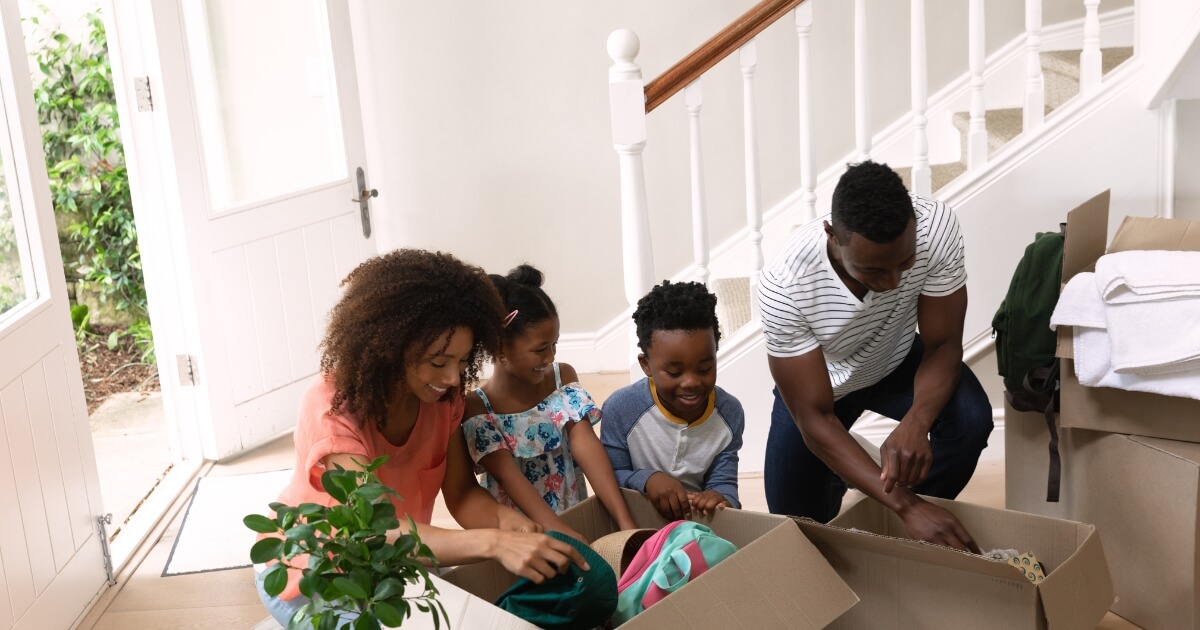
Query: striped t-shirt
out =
(805, 305)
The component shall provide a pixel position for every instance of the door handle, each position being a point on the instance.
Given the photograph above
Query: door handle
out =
(363, 200)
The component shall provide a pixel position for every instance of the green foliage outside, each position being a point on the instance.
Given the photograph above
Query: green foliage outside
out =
(89, 184)
(352, 568)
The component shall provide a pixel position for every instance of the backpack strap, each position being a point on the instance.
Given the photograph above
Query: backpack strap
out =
(1038, 381)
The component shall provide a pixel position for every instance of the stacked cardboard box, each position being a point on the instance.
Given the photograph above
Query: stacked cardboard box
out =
(777, 578)
(1131, 464)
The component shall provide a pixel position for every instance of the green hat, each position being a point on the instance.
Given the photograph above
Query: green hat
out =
(574, 600)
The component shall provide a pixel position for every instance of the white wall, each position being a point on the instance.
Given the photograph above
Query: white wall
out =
(1187, 160)
(488, 129)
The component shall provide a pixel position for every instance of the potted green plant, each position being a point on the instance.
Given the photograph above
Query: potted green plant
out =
(352, 568)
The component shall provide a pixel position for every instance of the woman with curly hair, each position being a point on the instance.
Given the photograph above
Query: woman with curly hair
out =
(410, 330)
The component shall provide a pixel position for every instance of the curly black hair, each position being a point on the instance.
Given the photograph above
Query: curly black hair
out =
(522, 294)
(870, 200)
(394, 306)
(675, 306)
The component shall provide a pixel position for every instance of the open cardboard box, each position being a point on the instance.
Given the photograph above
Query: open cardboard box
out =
(904, 583)
(777, 578)
(1104, 408)
(1143, 494)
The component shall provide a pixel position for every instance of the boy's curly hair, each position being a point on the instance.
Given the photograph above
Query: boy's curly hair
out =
(394, 306)
(676, 306)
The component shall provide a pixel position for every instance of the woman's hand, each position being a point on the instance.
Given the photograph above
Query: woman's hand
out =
(536, 557)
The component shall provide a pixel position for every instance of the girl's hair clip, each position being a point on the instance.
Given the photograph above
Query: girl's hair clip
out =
(510, 317)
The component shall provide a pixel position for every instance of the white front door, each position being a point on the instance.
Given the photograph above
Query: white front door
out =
(51, 561)
(257, 114)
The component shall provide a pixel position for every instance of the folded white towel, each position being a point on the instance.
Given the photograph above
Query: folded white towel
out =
(1092, 369)
(1079, 304)
(1154, 337)
(1142, 275)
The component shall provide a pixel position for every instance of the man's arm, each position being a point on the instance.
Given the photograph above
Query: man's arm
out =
(803, 382)
(906, 455)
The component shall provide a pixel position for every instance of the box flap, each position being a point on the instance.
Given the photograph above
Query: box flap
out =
(909, 550)
(777, 581)
(1154, 233)
(1078, 593)
(1187, 451)
(1087, 233)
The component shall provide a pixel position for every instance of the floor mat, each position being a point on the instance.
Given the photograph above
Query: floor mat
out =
(212, 537)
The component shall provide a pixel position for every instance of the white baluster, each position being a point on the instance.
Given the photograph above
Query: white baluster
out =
(808, 172)
(1089, 59)
(692, 97)
(1035, 94)
(862, 111)
(749, 59)
(977, 140)
(627, 107)
(922, 180)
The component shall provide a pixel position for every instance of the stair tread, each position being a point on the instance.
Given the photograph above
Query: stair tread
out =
(733, 302)
(940, 174)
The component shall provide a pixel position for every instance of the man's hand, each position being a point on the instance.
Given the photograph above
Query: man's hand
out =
(668, 495)
(926, 521)
(708, 501)
(905, 457)
(511, 520)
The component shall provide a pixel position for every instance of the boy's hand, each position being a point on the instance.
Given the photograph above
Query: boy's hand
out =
(708, 501)
(668, 496)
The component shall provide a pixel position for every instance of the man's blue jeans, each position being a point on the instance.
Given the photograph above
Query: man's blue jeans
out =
(798, 483)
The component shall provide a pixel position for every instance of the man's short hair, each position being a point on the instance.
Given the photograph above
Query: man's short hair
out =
(870, 200)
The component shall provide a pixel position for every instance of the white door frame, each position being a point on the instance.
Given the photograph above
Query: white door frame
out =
(173, 210)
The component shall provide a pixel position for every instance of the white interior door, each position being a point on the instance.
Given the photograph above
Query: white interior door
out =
(258, 106)
(51, 562)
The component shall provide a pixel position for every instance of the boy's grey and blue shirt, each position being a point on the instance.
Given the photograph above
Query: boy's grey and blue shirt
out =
(643, 438)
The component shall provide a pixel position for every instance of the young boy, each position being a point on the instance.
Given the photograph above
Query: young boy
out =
(675, 435)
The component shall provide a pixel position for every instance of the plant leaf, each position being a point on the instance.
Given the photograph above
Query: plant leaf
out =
(350, 587)
(275, 580)
(308, 509)
(300, 532)
(388, 614)
(387, 588)
(260, 524)
(265, 550)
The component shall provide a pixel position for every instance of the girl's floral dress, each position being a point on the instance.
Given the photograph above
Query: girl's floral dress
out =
(537, 439)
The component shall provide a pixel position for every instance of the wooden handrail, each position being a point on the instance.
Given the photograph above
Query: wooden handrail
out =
(711, 52)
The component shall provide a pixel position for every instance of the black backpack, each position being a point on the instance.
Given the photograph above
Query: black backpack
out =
(1025, 345)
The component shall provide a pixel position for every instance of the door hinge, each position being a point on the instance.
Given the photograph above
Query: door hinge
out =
(141, 85)
(187, 369)
(101, 523)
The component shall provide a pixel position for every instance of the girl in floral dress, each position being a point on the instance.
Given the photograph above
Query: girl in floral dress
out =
(530, 426)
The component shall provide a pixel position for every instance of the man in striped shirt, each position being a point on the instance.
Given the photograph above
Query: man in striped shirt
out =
(840, 306)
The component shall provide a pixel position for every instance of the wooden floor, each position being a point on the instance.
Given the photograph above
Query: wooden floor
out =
(227, 599)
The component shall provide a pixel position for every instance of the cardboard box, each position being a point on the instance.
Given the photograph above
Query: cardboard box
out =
(1104, 408)
(1027, 464)
(1143, 495)
(903, 583)
(777, 579)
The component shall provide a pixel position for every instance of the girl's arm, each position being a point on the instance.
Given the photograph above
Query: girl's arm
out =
(530, 555)
(501, 465)
(591, 456)
(469, 504)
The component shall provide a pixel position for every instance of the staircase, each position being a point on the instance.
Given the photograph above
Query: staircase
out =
(1021, 180)
(1060, 68)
